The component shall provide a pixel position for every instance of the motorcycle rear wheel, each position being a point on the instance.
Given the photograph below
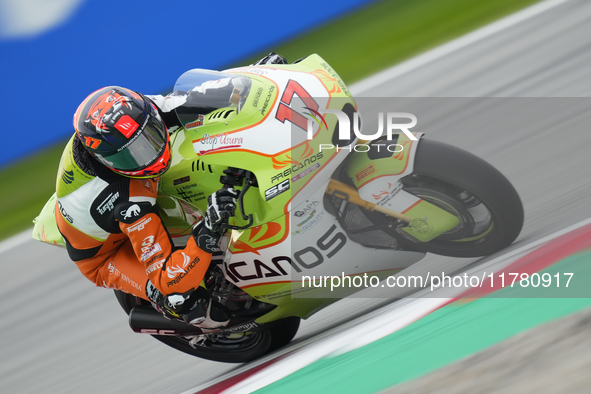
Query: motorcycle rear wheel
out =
(236, 348)
(488, 206)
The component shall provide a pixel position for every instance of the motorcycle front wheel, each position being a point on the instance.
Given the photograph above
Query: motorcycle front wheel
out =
(488, 206)
(235, 348)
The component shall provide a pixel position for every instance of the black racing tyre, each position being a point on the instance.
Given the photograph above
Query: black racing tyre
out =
(488, 206)
(235, 348)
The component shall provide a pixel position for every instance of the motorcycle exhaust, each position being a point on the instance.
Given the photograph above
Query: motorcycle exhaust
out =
(146, 320)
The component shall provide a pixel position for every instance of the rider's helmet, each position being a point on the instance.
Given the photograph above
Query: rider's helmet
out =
(123, 130)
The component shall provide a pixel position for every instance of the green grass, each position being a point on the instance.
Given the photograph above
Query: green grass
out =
(26, 186)
(356, 45)
(388, 32)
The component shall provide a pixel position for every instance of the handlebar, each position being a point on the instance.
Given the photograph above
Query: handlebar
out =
(235, 177)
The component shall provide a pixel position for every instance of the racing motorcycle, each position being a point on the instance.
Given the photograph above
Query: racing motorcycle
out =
(315, 200)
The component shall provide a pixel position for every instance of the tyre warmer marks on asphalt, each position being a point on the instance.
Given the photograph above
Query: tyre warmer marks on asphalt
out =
(453, 331)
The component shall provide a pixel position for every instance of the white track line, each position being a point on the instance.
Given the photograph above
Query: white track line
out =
(377, 324)
(493, 265)
(453, 46)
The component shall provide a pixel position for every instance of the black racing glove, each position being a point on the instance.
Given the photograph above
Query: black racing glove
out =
(271, 58)
(221, 207)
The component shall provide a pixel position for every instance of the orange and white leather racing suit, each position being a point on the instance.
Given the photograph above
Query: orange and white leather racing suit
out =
(110, 252)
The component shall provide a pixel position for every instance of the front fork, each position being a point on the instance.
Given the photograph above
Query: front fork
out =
(376, 173)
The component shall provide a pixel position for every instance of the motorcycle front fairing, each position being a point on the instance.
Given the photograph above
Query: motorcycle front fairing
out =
(291, 172)
(249, 134)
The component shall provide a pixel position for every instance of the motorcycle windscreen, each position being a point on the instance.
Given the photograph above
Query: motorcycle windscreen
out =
(205, 91)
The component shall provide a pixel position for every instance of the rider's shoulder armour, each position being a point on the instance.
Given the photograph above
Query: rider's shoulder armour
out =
(88, 193)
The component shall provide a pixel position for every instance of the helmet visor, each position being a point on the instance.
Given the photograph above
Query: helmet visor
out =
(142, 150)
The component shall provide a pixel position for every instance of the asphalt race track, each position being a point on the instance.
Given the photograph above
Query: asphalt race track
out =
(61, 335)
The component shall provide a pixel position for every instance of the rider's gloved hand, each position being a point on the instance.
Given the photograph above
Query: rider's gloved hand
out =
(271, 58)
(221, 207)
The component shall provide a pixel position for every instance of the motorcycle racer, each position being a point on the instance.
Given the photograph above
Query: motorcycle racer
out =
(106, 209)
(303, 216)
(106, 199)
